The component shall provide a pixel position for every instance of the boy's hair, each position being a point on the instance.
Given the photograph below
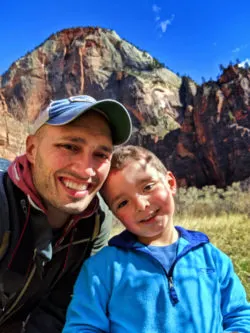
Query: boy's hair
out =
(123, 154)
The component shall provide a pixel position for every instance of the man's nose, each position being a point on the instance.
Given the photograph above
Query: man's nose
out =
(84, 166)
(141, 202)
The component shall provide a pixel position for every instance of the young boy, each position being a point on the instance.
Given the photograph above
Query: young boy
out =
(154, 277)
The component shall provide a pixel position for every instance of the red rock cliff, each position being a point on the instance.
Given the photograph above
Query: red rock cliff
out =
(200, 132)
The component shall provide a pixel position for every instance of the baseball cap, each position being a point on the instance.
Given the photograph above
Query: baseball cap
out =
(63, 111)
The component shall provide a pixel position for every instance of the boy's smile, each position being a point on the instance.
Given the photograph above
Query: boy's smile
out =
(142, 198)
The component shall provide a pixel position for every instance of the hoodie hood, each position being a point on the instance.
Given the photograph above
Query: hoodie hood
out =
(19, 172)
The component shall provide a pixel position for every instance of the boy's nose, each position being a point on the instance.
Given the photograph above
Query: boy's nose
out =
(141, 202)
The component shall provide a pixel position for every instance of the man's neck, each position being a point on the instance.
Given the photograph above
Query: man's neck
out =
(56, 218)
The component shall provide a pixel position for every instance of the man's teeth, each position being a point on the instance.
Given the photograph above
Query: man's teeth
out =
(75, 186)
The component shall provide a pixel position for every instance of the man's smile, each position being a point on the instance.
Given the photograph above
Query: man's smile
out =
(75, 185)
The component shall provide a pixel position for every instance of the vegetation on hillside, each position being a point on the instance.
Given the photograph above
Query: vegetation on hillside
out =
(212, 201)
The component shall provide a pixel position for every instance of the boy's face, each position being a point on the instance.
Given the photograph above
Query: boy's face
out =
(142, 199)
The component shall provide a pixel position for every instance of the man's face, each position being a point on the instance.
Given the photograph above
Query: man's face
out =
(70, 163)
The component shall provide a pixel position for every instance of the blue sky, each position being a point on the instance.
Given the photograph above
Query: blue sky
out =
(190, 37)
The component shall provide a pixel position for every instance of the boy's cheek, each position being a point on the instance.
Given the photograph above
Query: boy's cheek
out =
(126, 219)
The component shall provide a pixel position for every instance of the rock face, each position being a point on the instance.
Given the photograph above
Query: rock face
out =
(202, 133)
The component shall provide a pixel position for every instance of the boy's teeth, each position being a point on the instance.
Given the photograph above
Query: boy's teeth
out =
(148, 217)
(75, 186)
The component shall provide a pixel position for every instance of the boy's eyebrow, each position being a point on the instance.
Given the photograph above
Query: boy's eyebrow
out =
(76, 139)
(144, 180)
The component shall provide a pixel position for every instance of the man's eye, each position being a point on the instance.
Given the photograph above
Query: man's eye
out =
(70, 147)
(122, 204)
(102, 156)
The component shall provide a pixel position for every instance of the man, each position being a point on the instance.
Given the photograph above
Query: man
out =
(50, 219)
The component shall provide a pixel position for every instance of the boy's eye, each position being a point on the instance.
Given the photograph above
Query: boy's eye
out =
(122, 204)
(149, 187)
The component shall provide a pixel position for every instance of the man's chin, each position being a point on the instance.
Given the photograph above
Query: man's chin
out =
(77, 207)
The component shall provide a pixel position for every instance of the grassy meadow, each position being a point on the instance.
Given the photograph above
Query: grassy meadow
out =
(224, 215)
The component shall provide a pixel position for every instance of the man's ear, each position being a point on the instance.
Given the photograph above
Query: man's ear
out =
(171, 182)
(31, 148)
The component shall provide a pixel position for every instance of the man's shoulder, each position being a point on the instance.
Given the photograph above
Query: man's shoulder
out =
(3, 175)
(4, 164)
(3, 193)
(10, 196)
(8, 190)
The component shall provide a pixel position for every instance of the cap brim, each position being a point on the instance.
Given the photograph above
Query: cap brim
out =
(117, 115)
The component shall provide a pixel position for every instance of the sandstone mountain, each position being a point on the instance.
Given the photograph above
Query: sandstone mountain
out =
(202, 133)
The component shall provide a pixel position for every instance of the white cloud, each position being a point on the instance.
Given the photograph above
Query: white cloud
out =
(245, 62)
(236, 50)
(156, 9)
(164, 24)
(241, 47)
(160, 23)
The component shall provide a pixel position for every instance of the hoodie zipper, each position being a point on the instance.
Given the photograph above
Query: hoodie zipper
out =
(172, 291)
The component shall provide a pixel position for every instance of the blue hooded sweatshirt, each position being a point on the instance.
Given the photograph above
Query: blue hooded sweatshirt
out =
(125, 289)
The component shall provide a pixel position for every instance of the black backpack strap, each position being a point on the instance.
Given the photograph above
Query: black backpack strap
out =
(4, 214)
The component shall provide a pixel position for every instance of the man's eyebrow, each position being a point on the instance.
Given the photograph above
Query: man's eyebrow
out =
(108, 149)
(75, 139)
(78, 139)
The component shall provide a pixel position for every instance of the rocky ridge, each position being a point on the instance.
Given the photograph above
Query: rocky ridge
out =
(200, 132)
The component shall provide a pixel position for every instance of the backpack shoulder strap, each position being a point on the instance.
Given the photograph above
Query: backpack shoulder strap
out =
(4, 217)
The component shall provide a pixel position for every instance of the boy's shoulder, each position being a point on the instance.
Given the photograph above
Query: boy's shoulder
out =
(192, 236)
(197, 237)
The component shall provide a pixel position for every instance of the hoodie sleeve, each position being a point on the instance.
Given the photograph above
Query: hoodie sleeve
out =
(88, 309)
(234, 305)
